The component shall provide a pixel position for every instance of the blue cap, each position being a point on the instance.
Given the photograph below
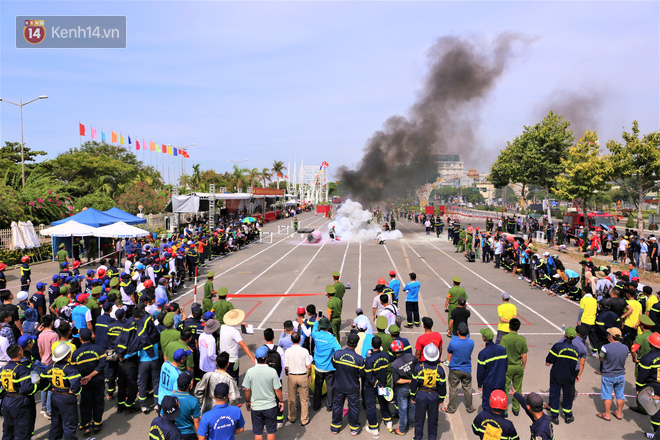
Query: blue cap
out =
(24, 340)
(106, 283)
(64, 264)
(55, 278)
(181, 353)
(123, 274)
(90, 272)
(209, 315)
(261, 353)
(140, 266)
(103, 298)
(161, 302)
(40, 285)
(85, 334)
(68, 279)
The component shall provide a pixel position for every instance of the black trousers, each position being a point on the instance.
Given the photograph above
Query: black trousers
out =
(412, 312)
(329, 378)
(92, 401)
(19, 421)
(148, 372)
(111, 371)
(127, 382)
(64, 417)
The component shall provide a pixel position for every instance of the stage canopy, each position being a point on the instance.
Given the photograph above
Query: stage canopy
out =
(90, 217)
(125, 216)
(120, 230)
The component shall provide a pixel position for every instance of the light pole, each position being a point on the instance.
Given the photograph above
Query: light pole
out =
(20, 105)
(238, 161)
(183, 166)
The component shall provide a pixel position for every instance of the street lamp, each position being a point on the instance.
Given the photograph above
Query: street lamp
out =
(183, 166)
(238, 161)
(21, 104)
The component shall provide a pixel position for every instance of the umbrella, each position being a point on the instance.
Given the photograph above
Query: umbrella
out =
(249, 220)
(571, 273)
(607, 228)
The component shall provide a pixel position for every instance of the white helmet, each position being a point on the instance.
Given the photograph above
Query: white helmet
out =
(431, 352)
(61, 351)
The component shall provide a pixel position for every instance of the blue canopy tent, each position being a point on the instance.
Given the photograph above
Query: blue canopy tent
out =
(91, 217)
(125, 216)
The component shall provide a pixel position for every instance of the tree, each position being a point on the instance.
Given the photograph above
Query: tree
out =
(153, 200)
(253, 174)
(239, 177)
(636, 165)
(585, 173)
(11, 209)
(99, 201)
(12, 152)
(535, 156)
(265, 176)
(278, 168)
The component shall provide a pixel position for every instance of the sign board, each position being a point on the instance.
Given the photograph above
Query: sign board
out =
(267, 192)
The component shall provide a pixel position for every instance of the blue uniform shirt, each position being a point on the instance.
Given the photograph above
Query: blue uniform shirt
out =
(491, 371)
(564, 358)
(349, 369)
(496, 421)
(168, 381)
(412, 290)
(395, 285)
(103, 324)
(221, 422)
(163, 429)
(325, 346)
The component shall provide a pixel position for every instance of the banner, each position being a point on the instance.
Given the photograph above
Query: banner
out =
(267, 192)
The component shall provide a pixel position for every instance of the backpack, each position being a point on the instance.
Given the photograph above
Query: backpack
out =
(470, 256)
(398, 319)
(274, 360)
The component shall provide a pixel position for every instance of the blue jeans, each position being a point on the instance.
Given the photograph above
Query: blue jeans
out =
(45, 401)
(611, 385)
(406, 407)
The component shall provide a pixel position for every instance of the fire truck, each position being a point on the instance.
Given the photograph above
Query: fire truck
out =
(595, 219)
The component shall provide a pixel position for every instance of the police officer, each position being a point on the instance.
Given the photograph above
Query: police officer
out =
(377, 372)
(89, 359)
(340, 289)
(349, 370)
(222, 306)
(26, 272)
(209, 293)
(334, 309)
(564, 358)
(66, 386)
(491, 368)
(489, 424)
(649, 369)
(18, 406)
(429, 389)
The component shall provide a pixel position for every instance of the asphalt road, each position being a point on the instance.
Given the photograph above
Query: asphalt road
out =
(289, 266)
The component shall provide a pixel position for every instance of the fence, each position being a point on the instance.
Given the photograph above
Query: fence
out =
(5, 236)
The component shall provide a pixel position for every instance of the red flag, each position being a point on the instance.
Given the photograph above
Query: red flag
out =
(137, 144)
(82, 129)
(164, 148)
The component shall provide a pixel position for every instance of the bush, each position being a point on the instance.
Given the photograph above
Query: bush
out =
(630, 223)
(13, 257)
(11, 209)
(99, 201)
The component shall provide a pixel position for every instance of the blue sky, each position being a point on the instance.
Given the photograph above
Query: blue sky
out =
(279, 80)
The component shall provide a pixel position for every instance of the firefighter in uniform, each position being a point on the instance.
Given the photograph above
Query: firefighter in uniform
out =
(378, 376)
(209, 293)
(564, 358)
(25, 273)
(221, 306)
(89, 359)
(66, 386)
(649, 369)
(491, 368)
(492, 424)
(127, 350)
(18, 406)
(349, 370)
(429, 389)
(191, 260)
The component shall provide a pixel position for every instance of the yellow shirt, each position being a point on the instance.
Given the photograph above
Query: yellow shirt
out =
(650, 302)
(506, 311)
(633, 318)
(589, 305)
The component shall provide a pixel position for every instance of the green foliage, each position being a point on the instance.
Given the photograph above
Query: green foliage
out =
(97, 200)
(152, 199)
(12, 152)
(630, 223)
(12, 257)
(10, 208)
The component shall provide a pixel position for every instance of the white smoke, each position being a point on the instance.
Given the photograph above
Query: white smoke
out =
(353, 223)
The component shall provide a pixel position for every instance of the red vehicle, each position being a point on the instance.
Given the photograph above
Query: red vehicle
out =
(596, 219)
(430, 210)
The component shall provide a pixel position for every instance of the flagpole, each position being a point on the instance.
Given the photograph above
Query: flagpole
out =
(79, 135)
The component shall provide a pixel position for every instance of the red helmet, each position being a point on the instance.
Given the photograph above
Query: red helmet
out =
(25, 258)
(76, 264)
(498, 400)
(396, 346)
(148, 283)
(381, 281)
(654, 339)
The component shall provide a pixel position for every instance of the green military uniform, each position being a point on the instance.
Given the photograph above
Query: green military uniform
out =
(92, 304)
(340, 289)
(461, 241)
(515, 346)
(381, 325)
(222, 306)
(61, 301)
(173, 346)
(454, 294)
(334, 310)
(209, 290)
(62, 255)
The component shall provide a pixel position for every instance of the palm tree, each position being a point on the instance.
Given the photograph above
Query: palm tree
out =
(278, 169)
(195, 179)
(265, 175)
(239, 177)
(254, 174)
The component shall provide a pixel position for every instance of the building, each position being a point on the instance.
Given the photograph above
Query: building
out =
(450, 165)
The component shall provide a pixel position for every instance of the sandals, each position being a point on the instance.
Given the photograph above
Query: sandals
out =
(602, 416)
(446, 411)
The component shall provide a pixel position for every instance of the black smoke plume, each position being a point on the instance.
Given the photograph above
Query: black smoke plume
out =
(581, 108)
(401, 157)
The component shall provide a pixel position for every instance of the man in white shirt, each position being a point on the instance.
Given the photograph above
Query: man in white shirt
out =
(298, 365)
(207, 344)
(231, 340)
(377, 306)
(389, 310)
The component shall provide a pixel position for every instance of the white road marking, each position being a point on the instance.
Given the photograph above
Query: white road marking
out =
(343, 260)
(359, 294)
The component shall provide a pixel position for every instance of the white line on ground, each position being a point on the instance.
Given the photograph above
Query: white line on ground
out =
(343, 260)
(292, 284)
(495, 286)
(359, 294)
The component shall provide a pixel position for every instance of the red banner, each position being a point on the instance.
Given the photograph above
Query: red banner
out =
(267, 192)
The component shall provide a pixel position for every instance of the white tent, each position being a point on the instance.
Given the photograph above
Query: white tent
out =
(120, 230)
(69, 229)
(17, 239)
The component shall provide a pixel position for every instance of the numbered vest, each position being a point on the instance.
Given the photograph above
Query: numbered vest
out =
(430, 377)
(492, 433)
(58, 378)
(7, 380)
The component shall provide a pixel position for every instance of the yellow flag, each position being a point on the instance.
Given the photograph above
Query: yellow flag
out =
(121, 139)
(169, 150)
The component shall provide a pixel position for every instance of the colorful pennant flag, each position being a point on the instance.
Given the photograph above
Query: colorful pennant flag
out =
(164, 150)
(114, 137)
(93, 133)
(121, 139)
(129, 140)
(169, 150)
(103, 139)
(81, 129)
(137, 147)
(176, 154)
(152, 146)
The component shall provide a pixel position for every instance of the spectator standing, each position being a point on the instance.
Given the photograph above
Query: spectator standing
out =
(324, 370)
(429, 388)
(377, 372)
(298, 364)
(207, 346)
(459, 356)
(362, 318)
(263, 394)
(349, 370)
(231, 340)
(224, 421)
(403, 367)
(189, 411)
(429, 337)
(613, 360)
(564, 358)
(46, 339)
(163, 427)
(457, 316)
(203, 390)
(412, 300)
